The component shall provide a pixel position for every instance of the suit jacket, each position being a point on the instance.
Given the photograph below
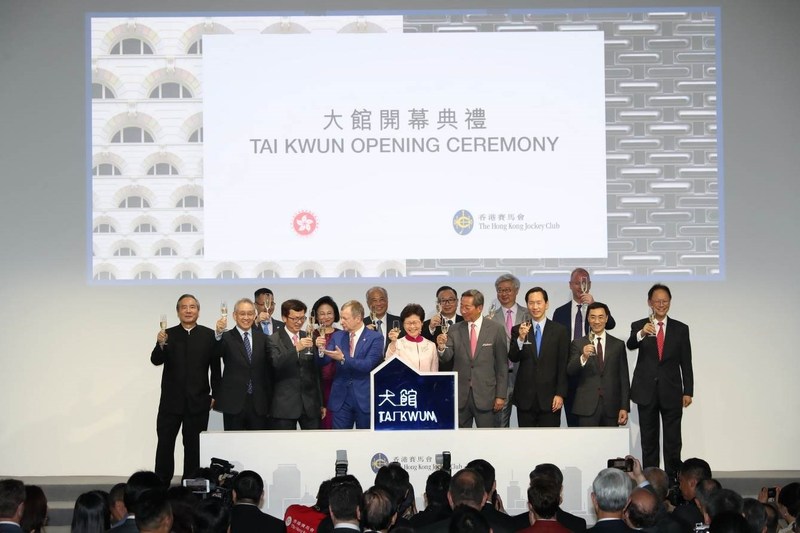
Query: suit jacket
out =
(276, 326)
(246, 518)
(520, 314)
(563, 315)
(297, 389)
(576, 524)
(611, 526)
(497, 525)
(540, 378)
(187, 358)
(672, 377)
(126, 526)
(426, 328)
(612, 380)
(10, 528)
(239, 371)
(354, 370)
(487, 373)
(386, 325)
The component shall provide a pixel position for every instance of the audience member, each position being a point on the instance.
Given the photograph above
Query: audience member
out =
(788, 500)
(248, 497)
(722, 501)
(467, 519)
(12, 505)
(343, 503)
(378, 510)
(610, 491)
(755, 513)
(91, 514)
(182, 501)
(394, 478)
(116, 504)
(568, 520)
(703, 492)
(34, 515)
(729, 522)
(772, 517)
(544, 497)
(139, 483)
(305, 519)
(641, 511)
(692, 471)
(489, 510)
(212, 516)
(436, 504)
(153, 512)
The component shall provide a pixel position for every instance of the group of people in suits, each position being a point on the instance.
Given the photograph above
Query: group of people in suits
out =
(510, 355)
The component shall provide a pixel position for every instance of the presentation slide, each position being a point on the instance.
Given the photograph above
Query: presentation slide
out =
(405, 145)
(421, 145)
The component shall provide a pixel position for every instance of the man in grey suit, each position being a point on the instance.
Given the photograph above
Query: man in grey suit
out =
(12, 500)
(478, 350)
(600, 363)
(541, 348)
(509, 314)
(297, 394)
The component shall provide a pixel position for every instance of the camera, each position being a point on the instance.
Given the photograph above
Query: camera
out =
(216, 481)
(772, 493)
(341, 463)
(626, 465)
(443, 461)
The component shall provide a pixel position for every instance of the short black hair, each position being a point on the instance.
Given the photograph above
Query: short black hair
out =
(326, 300)
(544, 495)
(722, 501)
(292, 305)
(536, 289)
(729, 522)
(436, 487)
(137, 484)
(466, 486)
(658, 287)
(487, 472)
(696, 469)
(789, 497)
(467, 519)
(344, 499)
(548, 469)
(755, 513)
(248, 485)
(212, 516)
(394, 478)
(597, 305)
(12, 494)
(262, 290)
(152, 508)
(411, 310)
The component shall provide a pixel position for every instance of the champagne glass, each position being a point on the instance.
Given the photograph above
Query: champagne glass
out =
(223, 309)
(492, 311)
(584, 285)
(592, 338)
(445, 326)
(373, 318)
(310, 332)
(163, 325)
(529, 322)
(396, 325)
(652, 318)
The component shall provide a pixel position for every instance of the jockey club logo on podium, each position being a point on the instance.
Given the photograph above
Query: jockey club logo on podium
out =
(404, 399)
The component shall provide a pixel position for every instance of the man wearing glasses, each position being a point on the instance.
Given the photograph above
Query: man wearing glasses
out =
(297, 394)
(509, 313)
(447, 301)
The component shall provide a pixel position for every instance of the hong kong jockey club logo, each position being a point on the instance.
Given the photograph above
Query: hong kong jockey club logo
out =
(378, 460)
(304, 223)
(463, 222)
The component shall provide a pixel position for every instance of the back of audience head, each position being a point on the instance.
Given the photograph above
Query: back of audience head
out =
(248, 487)
(467, 488)
(137, 484)
(182, 501)
(378, 509)
(91, 513)
(436, 488)
(322, 495)
(755, 513)
(211, 516)
(344, 500)
(789, 499)
(34, 514)
(116, 503)
(394, 478)
(723, 501)
(548, 469)
(610, 490)
(487, 472)
(729, 522)
(12, 500)
(658, 480)
(544, 497)
(153, 511)
(467, 519)
(690, 473)
(642, 509)
(703, 493)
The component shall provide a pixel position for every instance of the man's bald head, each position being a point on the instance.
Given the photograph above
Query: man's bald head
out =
(641, 510)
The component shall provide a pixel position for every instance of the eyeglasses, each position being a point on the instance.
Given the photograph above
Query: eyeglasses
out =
(447, 301)
(504, 291)
(296, 318)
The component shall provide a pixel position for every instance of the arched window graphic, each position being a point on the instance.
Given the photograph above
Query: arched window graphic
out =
(106, 169)
(145, 227)
(101, 91)
(196, 136)
(104, 228)
(132, 134)
(171, 89)
(162, 169)
(134, 202)
(189, 201)
(131, 46)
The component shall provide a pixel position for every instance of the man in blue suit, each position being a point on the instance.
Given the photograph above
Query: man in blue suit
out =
(357, 350)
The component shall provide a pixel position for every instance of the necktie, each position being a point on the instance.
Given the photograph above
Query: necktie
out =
(509, 321)
(265, 325)
(295, 339)
(577, 331)
(249, 350)
(473, 339)
(660, 340)
(600, 360)
(352, 344)
(538, 336)
(378, 326)
(449, 322)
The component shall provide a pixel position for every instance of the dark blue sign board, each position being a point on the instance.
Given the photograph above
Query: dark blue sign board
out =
(403, 399)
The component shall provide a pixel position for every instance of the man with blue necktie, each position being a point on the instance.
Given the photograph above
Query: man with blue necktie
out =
(357, 350)
(265, 306)
(541, 348)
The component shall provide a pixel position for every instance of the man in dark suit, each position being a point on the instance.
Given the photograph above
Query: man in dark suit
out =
(447, 303)
(188, 353)
(641, 511)
(12, 503)
(297, 396)
(137, 485)
(265, 307)
(358, 351)
(478, 350)
(573, 316)
(487, 472)
(544, 497)
(663, 380)
(541, 348)
(610, 491)
(574, 523)
(600, 363)
(379, 319)
(343, 503)
(248, 497)
(245, 389)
